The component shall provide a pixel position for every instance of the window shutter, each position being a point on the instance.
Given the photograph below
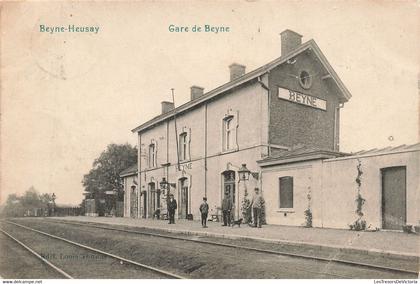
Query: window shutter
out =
(235, 131)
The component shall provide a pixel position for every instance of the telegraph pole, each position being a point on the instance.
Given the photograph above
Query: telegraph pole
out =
(176, 130)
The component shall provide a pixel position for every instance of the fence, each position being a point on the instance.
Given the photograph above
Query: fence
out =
(68, 211)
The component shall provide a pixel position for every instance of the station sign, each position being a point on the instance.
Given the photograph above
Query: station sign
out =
(186, 166)
(302, 99)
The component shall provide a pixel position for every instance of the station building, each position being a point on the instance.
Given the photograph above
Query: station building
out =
(287, 110)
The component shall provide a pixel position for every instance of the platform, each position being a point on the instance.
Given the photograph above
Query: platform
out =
(385, 243)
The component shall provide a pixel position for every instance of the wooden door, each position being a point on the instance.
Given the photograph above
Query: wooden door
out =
(144, 204)
(183, 199)
(394, 202)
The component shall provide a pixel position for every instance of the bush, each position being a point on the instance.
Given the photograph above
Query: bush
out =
(308, 218)
(358, 225)
(246, 208)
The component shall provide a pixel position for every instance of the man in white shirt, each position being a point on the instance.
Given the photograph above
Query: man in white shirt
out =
(256, 205)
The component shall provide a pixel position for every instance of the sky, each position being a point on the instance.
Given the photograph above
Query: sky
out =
(66, 96)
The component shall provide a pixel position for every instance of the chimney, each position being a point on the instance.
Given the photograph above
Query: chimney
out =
(290, 40)
(167, 106)
(196, 92)
(236, 71)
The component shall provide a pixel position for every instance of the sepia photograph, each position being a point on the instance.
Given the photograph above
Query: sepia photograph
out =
(228, 140)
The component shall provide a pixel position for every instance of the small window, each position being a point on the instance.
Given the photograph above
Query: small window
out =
(183, 146)
(305, 80)
(152, 155)
(286, 192)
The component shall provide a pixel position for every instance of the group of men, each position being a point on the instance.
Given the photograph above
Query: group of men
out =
(257, 202)
(227, 205)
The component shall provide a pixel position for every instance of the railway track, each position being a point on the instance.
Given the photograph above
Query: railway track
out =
(323, 259)
(50, 264)
(158, 271)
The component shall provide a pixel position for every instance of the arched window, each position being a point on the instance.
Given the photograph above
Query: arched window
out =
(152, 155)
(229, 135)
(229, 185)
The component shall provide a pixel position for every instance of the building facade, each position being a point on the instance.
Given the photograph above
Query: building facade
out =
(325, 183)
(195, 150)
(130, 183)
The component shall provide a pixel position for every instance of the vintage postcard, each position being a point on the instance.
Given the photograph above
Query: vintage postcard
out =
(209, 140)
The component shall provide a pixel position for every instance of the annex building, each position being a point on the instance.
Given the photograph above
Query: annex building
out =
(282, 122)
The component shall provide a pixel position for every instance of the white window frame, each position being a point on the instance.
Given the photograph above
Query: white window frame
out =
(183, 143)
(152, 155)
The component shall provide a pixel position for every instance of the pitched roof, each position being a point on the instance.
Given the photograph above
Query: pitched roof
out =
(300, 154)
(388, 150)
(129, 171)
(305, 153)
(309, 45)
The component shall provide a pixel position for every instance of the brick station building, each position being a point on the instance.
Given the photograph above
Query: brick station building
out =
(293, 100)
(284, 112)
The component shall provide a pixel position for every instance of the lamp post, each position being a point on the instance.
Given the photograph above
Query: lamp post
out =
(164, 184)
(243, 173)
(53, 197)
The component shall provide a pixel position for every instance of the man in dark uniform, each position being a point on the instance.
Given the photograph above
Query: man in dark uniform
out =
(204, 209)
(226, 208)
(171, 209)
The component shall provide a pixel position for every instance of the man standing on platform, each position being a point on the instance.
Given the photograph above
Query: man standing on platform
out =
(204, 209)
(172, 206)
(256, 205)
(226, 208)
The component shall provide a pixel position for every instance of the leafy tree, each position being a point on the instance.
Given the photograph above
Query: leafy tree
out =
(17, 206)
(105, 173)
(13, 206)
(31, 199)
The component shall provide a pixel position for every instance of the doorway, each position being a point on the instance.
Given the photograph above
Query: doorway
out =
(152, 199)
(394, 203)
(133, 202)
(144, 204)
(229, 187)
(183, 198)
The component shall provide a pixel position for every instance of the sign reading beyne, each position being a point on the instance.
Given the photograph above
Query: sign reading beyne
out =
(302, 99)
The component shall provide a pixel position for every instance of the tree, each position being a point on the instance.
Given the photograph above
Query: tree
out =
(13, 206)
(31, 199)
(105, 173)
(17, 206)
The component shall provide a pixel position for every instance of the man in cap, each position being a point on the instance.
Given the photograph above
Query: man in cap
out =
(172, 206)
(256, 205)
(204, 209)
(226, 208)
